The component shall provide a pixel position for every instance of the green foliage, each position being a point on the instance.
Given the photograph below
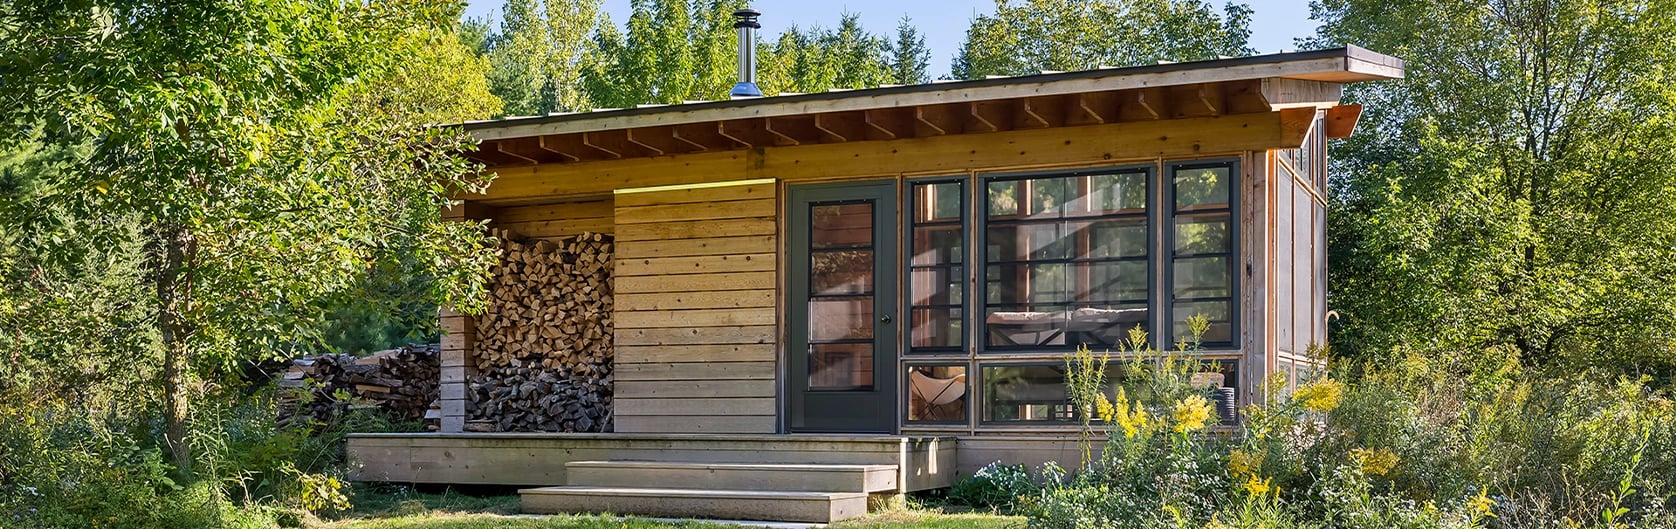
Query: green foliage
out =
(1461, 441)
(910, 58)
(1515, 188)
(538, 56)
(995, 486)
(1026, 37)
(818, 59)
(674, 51)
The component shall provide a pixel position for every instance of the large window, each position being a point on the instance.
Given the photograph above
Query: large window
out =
(1203, 250)
(1065, 259)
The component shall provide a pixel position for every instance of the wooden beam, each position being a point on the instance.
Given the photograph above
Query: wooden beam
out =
(1198, 100)
(1143, 104)
(659, 140)
(1245, 97)
(1039, 113)
(524, 149)
(614, 144)
(1299, 93)
(842, 126)
(937, 120)
(704, 137)
(888, 124)
(1294, 126)
(794, 130)
(1092, 108)
(552, 143)
(1093, 145)
(1341, 120)
(990, 116)
(750, 132)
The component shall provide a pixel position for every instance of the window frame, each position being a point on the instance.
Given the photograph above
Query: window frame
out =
(1166, 299)
(979, 225)
(966, 240)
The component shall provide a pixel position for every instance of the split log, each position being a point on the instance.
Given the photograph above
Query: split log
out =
(403, 382)
(544, 342)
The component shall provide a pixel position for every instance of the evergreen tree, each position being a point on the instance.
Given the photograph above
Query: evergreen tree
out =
(910, 59)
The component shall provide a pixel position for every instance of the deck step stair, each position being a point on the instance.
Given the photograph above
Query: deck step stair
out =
(733, 476)
(787, 506)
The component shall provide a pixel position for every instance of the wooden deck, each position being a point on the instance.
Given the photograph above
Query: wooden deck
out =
(539, 459)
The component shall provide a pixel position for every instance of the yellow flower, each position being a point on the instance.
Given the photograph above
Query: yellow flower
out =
(1374, 462)
(1481, 504)
(1257, 487)
(1321, 396)
(1191, 414)
(1242, 463)
(1103, 408)
(1130, 416)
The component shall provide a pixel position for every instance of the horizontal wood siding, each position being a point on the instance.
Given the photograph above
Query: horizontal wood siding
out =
(696, 319)
(554, 221)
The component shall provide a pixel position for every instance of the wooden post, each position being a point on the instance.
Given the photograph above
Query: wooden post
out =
(459, 343)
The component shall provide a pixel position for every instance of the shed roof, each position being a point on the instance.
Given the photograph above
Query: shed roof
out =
(1260, 83)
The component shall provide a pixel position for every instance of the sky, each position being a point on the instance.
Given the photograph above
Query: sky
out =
(1274, 23)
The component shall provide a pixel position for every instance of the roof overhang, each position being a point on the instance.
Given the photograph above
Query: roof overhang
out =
(1263, 83)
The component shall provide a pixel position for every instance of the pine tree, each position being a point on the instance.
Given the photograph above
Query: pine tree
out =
(910, 59)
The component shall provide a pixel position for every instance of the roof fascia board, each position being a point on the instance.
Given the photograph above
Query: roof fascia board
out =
(1296, 65)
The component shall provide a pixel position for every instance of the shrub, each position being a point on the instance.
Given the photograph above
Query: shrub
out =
(995, 486)
(1442, 440)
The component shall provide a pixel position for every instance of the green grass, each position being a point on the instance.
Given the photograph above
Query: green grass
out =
(392, 507)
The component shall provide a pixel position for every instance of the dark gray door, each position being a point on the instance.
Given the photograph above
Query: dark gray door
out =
(842, 346)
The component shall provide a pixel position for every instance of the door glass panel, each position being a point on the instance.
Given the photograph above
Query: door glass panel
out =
(841, 366)
(840, 318)
(841, 271)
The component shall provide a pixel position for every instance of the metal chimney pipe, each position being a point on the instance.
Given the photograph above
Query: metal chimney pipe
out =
(745, 21)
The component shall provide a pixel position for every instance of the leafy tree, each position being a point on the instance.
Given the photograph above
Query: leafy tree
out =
(910, 59)
(1515, 190)
(540, 53)
(819, 59)
(1023, 38)
(229, 133)
(674, 51)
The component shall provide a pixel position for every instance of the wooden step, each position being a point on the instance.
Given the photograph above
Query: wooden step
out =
(811, 507)
(732, 476)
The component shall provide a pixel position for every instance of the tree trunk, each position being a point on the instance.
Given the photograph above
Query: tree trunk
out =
(174, 297)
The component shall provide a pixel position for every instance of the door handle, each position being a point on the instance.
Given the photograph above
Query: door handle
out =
(884, 319)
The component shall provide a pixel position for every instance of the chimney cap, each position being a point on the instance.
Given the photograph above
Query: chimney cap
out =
(746, 18)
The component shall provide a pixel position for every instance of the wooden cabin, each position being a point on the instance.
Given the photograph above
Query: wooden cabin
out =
(882, 285)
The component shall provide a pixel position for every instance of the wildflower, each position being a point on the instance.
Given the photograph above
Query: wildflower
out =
(1130, 416)
(1374, 462)
(1103, 408)
(1242, 463)
(1481, 504)
(1191, 414)
(1257, 487)
(1321, 396)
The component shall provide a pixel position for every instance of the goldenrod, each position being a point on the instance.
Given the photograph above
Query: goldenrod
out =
(1374, 462)
(1191, 413)
(1321, 396)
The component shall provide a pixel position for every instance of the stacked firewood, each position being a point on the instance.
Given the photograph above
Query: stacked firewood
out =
(544, 342)
(402, 382)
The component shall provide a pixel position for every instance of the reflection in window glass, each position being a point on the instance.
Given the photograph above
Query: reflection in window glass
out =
(1066, 259)
(936, 267)
(1033, 393)
(1201, 187)
(841, 366)
(1202, 252)
(937, 394)
(1221, 377)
